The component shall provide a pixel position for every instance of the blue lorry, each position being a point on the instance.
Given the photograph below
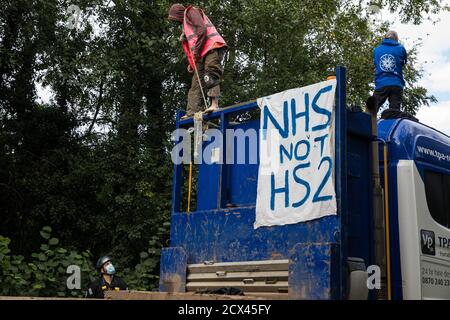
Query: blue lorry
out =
(399, 249)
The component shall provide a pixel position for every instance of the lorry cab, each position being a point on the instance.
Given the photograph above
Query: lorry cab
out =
(418, 173)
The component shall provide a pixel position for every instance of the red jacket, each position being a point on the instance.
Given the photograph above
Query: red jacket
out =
(201, 35)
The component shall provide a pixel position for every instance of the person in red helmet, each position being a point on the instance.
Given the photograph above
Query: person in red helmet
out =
(205, 48)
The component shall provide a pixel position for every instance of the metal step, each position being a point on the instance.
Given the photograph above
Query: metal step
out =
(270, 276)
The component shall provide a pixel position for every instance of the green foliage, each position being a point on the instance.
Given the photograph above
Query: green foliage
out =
(273, 47)
(145, 275)
(93, 162)
(415, 96)
(414, 10)
(44, 273)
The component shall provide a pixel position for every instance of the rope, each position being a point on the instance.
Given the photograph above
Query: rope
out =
(199, 82)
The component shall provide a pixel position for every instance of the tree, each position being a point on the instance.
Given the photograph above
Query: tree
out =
(94, 161)
(273, 47)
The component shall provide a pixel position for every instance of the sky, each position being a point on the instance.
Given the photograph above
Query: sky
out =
(433, 55)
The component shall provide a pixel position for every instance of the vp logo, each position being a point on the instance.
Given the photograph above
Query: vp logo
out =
(428, 242)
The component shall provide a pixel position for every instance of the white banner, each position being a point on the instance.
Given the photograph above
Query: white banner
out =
(296, 171)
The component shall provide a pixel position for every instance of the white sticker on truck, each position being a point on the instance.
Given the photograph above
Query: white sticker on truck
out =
(435, 278)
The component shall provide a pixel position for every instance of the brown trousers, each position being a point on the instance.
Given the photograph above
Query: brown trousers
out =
(210, 65)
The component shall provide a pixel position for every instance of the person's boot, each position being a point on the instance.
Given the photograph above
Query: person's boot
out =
(397, 114)
(372, 104)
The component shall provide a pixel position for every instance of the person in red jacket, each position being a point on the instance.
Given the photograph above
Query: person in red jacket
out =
(204, 48)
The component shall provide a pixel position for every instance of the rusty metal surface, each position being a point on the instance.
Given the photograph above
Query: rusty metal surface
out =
(145, 295)
(250, 276)
(173, 270)
(314, 273)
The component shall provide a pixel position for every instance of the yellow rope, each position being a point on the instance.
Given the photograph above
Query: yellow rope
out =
(199, 82)
(190, 188)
